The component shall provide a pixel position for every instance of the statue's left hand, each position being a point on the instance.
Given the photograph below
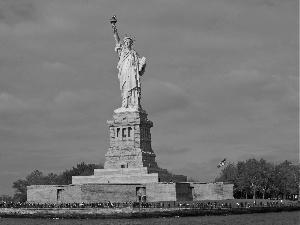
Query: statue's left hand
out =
(142, 66)
(143, 60)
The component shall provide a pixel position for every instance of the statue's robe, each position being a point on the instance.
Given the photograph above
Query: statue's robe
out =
(130, 68)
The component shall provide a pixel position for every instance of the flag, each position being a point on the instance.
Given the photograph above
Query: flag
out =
(222, 163)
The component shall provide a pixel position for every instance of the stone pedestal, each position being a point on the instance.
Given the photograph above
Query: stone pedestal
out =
(130, 158)
(130, 141)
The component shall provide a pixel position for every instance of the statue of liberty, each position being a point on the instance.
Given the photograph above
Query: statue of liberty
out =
(130, 67)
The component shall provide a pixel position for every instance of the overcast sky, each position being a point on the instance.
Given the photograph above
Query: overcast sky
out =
(222, 80)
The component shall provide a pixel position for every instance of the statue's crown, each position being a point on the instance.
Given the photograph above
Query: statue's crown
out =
(128, 38)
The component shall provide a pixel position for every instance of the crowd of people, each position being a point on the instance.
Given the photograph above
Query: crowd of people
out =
(74, 205)
(108, 204)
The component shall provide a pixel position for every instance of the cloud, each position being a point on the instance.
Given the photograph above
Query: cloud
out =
(250, 94)
(260, 3)
(16, 112)
(9, 103)
(275, 155)
(75, 100)
(204, 171)
(56, 66)
(159, 96)
(170, 150)
(16, 11)
(70, 115)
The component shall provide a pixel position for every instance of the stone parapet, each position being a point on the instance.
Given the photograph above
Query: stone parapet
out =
(122, 171)
(116, 178)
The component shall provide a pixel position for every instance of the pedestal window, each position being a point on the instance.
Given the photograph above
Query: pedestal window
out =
(129, 131)
(123, 132)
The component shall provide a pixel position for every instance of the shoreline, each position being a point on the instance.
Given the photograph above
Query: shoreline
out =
(129, 213)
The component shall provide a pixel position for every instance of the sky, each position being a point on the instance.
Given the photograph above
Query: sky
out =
(222, 81)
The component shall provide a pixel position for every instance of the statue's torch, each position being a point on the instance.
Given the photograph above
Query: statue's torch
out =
(113, 21)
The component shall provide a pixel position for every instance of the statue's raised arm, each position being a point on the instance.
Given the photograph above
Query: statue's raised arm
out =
(130, 67)
(116, 35)
(113, 22)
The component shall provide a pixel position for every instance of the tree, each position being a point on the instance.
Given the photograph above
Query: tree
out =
(261, 178)
(287, 178)
(21, 190)
(293, 180)
(228, 174)
(266, 178)
(36, 178)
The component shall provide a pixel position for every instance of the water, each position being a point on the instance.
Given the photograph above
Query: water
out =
(280, 218)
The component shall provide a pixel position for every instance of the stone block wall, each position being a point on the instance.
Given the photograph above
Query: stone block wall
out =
(160, 192)
(183, 192)
(135, 178)
(125, 192)
(72, 193)
(210, 191)
(43, 193)
(82, 193)
(227, 191)
(108, 192)
(217, 190)
(200, 192)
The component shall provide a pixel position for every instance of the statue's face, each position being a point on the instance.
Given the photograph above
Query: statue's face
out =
(128, 44)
